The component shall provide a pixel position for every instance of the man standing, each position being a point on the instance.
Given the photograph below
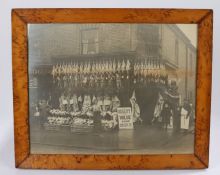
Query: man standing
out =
(185, 111)
(166, 114)
(173, 98)
(177, 117)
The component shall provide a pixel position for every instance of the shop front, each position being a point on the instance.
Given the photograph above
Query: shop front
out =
(86, 93)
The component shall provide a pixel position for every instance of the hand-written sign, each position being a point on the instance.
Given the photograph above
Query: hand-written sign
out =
(33, 83)
(125, 118)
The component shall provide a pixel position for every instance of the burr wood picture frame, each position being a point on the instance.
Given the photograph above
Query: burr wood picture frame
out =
(27, 22)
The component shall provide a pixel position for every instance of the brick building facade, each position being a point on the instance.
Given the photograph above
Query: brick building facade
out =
(57, 42)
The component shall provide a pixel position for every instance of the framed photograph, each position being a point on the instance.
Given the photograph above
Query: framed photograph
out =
(112, 88)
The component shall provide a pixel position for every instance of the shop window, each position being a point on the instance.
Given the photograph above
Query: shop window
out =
(191, 63)
(177, 51)
(151, 50)
(90, 44)
(190, 93)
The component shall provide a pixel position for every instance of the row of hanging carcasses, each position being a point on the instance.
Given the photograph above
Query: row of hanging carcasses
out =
(141, 67)
(105, 75)
(108, 74)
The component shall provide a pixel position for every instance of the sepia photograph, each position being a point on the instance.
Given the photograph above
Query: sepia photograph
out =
(112, 88)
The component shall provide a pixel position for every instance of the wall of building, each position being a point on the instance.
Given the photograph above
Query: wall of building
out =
(115, 38)
(168, 44)
(148, 40)
(192, 57)
(47, 41)
(184, 61)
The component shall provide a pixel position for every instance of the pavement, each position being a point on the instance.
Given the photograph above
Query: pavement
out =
(143, 139)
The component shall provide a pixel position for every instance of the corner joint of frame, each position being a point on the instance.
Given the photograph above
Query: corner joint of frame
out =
(204, 163)
(15, 12)
(209, 13)
(18, 164)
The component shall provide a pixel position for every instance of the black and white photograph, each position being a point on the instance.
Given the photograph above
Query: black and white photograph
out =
(112, 88)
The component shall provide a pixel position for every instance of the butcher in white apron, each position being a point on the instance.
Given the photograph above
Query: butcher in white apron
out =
(61, 99)
(135, 108)
(86, 105)
(65, 103)
(115, 103)
(107, 103)
(184, 119)
(158, 109)
(74, 103)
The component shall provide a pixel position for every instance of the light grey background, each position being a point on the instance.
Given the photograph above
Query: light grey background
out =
(6, 107)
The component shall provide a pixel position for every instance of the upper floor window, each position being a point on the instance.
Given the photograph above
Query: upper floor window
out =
(151, 50)
(177, 51)
(191, 62)
(89, 41)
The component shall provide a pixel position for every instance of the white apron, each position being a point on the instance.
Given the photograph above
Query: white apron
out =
(184, 119)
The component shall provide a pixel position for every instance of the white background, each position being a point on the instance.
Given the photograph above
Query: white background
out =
(6, 108)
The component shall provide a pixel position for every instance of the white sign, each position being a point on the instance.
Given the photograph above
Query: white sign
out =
(125, 118)
(33, 83)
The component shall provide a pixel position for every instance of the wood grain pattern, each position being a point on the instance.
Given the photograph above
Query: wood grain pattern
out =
(95, 162)
(20, 88)
(203, 98)
(111, 15)
(20, 19)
